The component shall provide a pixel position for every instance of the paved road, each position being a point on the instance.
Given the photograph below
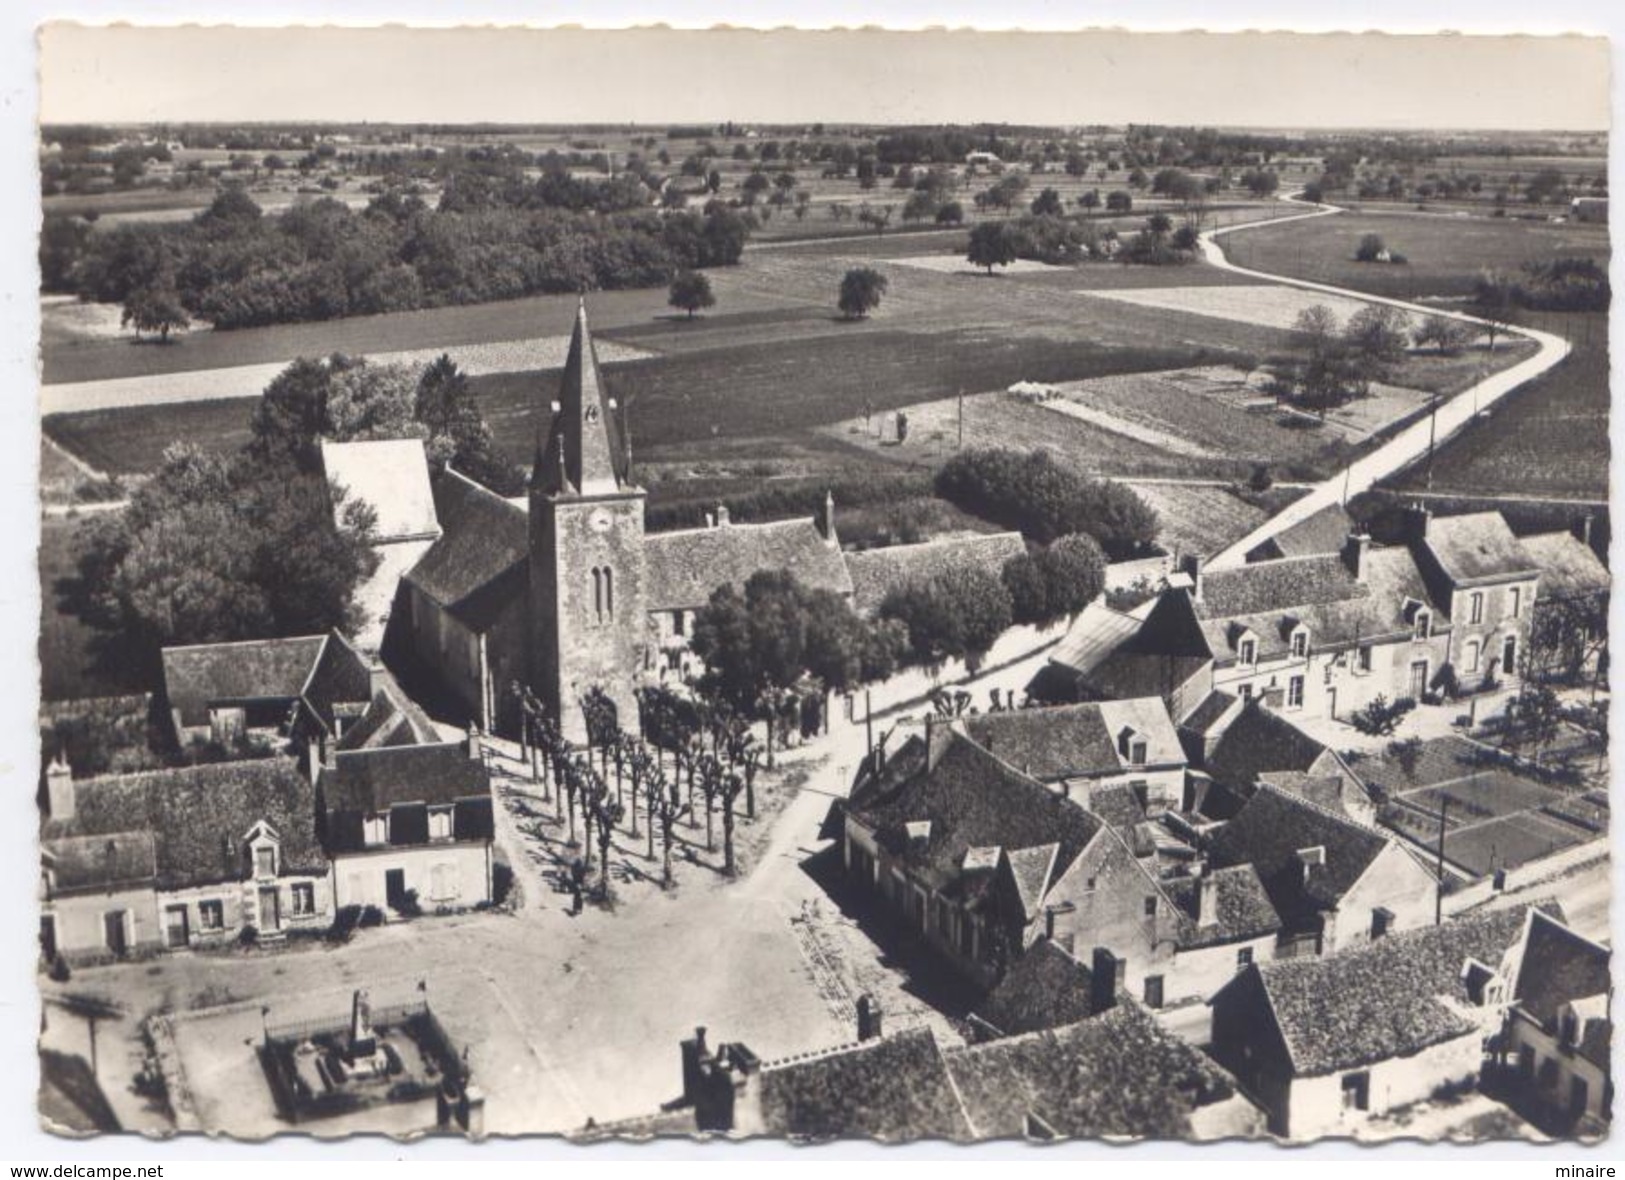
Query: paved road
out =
(1411, 443)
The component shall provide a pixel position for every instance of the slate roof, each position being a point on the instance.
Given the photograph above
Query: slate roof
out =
(377, 779)
(115, 860)
(1243, 908)
(971, 799)
(235, 673)
(1117, 1074)
(1323, 532)
(894, 1088)
(70, 1097)
(1045, 988)
(1382, 1000)
(1260, 741)
(1117, 806)
(198, 816)
(1270, 830)
(1214, 709)
(1093, 636)
(483, 538)
(1477, 546)
(390, 475)
(340, 681)
(1076, 741)
(391, 718)
(875, 573)
(1554, 965)
(685, 567)
(1568, 567)
(1270, 586)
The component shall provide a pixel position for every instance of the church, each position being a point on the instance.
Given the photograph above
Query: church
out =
(563, 590)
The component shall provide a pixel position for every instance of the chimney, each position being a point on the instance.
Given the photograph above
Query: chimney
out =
(722, 516)
(59, 793)
(710, 520)
(1417, 518)
(1582, 529)
(826, 522)
(1193, 566)
(1207, 901)
(474, 744)
(1103, 976)
(869, 1018)
(1355, 549)
(693, 1054)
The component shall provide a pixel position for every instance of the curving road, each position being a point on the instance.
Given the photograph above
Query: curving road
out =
(1409, 444)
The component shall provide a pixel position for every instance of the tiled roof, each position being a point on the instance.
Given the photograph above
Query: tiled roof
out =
(1568, 566)
(686, 566)
(1273, 827)
(116, 860)
(1029, 870)
(1382, 1000)
(1117, 806)
(70, 1096)
(392, 477)
(199, 816)
(1214, 709)
(1260, 741)
(875, 573)
(971, 799)
(1044, 988)
(341, 677)
(483, 537)
(256, 670)
(1556, 966)
(1116, 1074)
(1477, 545)
(1075, 741)
(1242, 907)
(391, 718)
(894, 1088)
(1094, 634)
(1323, 532)
(377, 779)
(1282, 585)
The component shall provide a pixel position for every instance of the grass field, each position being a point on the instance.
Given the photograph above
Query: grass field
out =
(1445, 253)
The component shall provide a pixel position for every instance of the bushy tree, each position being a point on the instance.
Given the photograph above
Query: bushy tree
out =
(958, 613)
(690, 292)
(1055, 582)
(1446, 335)
(1370, 249)
(155, 306)
(458, 435)
(861, 289)
(992, 243)
(1048, 204)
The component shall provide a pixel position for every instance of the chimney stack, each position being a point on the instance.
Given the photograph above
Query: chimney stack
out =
(1418, 517)
(869, 1018)
(59, 792)
(826, 522)
(1207, 901)
(1103, 976)
(1355, 549)
(722, 516)
(1582, 529)
(1193, 566)
(693, 1054)
(474, 745)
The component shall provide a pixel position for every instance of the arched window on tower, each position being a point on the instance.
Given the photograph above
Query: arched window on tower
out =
(597, 594)
(609, 593)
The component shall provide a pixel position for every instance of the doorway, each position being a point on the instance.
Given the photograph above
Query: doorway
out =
(176, 931)
(47, 937)
(270, 910)
(113, 932)
(1419, 680)
(395, 888)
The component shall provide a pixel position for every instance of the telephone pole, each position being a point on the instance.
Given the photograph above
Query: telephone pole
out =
(1438, 889)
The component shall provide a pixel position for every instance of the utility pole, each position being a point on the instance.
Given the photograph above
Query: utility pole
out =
(961, 445)
(868, 724)
(1433, 433)
(1438, 889)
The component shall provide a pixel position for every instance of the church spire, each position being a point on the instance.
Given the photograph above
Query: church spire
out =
(583, 455)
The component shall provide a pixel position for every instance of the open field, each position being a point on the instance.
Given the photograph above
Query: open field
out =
(1198, 518)
(1445, 253)
(1550, 438)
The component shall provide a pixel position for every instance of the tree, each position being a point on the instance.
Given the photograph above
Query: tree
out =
(155, 307)
(1377, 337)
(920, 206)
(1494, 301)
(220, 548)
(1118, 201)
(1259, 182)
(958, 613)
(1447, 336)
(690, 291)
(1090, 201)
(876, 217)
(992, 243)
(1056, 582)
(1048, 204)
(728, 791)
(951, 213)
(1370, 249)
(861, 289)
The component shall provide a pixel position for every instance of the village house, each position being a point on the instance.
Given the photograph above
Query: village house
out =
(1335, 882)
(171, 859)
(1323, 1045)
(1558, 1033)
(408, 827)
(563, 590)
(1242, 744)
(981, 860)
(1116, 1073)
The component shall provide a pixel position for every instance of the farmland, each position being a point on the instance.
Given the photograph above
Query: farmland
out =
(1445, 253)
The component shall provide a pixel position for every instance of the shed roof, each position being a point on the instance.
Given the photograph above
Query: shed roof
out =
(202, 675)
(1568, 566)
(391, 476)
(1045, 987)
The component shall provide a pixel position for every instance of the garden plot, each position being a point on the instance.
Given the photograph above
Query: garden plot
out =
(1263, 305)
(1198, 518)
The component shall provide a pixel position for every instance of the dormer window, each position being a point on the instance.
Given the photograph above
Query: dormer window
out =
(1300, 643)
(1423, 625)
(1247, 651)
(264, 851)
(375, 828)
(1132, 746)
(1136, 753)
(1475, 607)
(440, 826)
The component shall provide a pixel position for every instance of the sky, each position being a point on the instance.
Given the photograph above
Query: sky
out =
(659, 76)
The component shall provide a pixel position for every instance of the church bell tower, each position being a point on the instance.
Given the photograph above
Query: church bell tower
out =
(588, 615)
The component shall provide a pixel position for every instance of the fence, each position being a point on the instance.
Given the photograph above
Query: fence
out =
(381, 1017)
